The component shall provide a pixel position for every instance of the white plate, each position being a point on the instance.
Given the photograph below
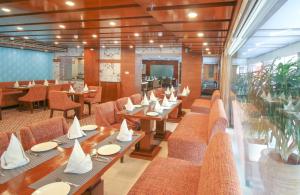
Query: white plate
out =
(89, 127)
(109, 149)
(138, 105)
(42, 147)
(60, 188)
(152, 114)
(93, 90)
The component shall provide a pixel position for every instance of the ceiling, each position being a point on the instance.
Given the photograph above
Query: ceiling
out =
(280, 30)
(52, 24)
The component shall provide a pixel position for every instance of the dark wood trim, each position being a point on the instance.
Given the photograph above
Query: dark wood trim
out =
(197, 21)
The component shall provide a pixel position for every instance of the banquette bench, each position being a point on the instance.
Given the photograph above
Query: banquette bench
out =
(203, 105)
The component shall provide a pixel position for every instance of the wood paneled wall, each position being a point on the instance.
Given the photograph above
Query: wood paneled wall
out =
(191, 75)
(149, 63)
(91, 67)
(131, 73)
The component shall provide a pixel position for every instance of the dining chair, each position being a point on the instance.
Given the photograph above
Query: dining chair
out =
(65, 86)
(4, 141)
(133, 122)
(35, 94)
(106, 115)
(136, 98)
(1, 97)
(59, 101)
(93, 97)
(43, 131)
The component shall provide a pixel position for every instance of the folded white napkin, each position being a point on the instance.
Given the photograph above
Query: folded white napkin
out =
(165, 102)
(269, 97)
(129, 106)
(16, 84)
(71, 90)
(152, 97)
(14, 155)
(173, 98)
(282, 96)
(33, 83)
(157, 107)
(46, 83)
(75, 130)
(145, 101)
(79, 162)
(184, 92)
(85, 89)
(172, 90)
(289, 106)
(168, 91)
(29, 84)
(188, 90)
(56, 81)
(125, 134)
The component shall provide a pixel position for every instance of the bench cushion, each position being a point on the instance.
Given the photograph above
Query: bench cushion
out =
(165, 176)
(201, 106)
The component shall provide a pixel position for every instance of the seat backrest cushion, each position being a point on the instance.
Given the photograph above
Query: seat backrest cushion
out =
(218, 172)
(4, 141)
(105, 113)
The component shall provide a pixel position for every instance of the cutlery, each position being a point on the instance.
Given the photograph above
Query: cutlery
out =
(95, 155)
(71, 184)
(58, 142)
(34, 154)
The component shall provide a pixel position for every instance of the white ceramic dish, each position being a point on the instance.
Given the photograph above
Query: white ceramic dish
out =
(43, 147)
(138, 105)
(109, 149)
(89, 127)
(152, 114)
(60, 188)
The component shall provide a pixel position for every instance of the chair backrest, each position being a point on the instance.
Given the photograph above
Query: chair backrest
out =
(97, 95)
(58, 99)
(121, 102)
(54, 88)
(216, 95)
(160, 92)
(106, 114)
(43, 131)
(4, 141)
(218, 172)
(65, 86)
(37, 93)
(217, 120)
(136, 98)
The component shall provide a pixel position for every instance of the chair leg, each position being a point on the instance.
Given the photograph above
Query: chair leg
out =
(90, 108)
(51, 113)
(0, 113)
(122, 159)
(31, 107)
(45, 104)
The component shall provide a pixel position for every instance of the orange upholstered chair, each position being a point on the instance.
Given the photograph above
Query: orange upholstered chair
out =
(65, 86)
(120, 104)
(58, 100)
(204, 105)
(1, 97)
(54, 88)
(136, 98)
(93, 98)
(217, 175)
(4, 141)
(106, 115)
(35, 94)
(43, 131)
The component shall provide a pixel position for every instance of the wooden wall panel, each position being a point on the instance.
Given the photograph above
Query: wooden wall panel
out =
(130, 74)
(91, 67)
(149, 63)
(110, 91)
(191, 75)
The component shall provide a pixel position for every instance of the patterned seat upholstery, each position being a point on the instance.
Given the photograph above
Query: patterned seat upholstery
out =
(204, 105)
(217, 175)
(43, 131)
(58, 100)
(93, 98)
(136, 98)
(4, 141)
(35, 94)
(191, 137)
(120, 105)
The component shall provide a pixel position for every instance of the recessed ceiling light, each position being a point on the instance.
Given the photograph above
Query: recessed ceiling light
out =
(209, 52)
(58, 36)
(161, 46)
(84, 42)
(26, 37)
(160, 34)
(19, 28)
(92, 49)
(130, 46)
(205, 43)
(70, 3)
(200, 34)
(103, 46)
(78, 46)
(56, 43)
(151, 41)
(94, 36)
(62, 26)
(112, 23)
(116, 42)
(207, 49)
(75, 36)
(12, 38)
(5, 9)
(46, 50)
(192, 15)
(136, 34)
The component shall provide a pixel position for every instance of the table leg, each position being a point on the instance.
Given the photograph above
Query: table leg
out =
(146, 149)
(80, 99)
(96, 189)
(161, 132)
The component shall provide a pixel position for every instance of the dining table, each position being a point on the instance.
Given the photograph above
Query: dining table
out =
(88, 183)
(154, 128)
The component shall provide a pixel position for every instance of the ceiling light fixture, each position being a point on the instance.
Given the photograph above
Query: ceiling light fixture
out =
(56, 43)
(160, 34)
(200, 34)
(92, 49)
(136, 34)
(192, 15)
(78, 46)
(26, 37)
(5, 9)
(46, 50)
(62, 26)
(131, 46)
(19, 28)
(209, 53)
(207, 49)
(75, 36)
(84, 42)
(116, 42)
(58, 36)
(151, 41)
(103, 46)
(70, 3)
(205, 43)
(161, 46)
(94, 36)
(112, 23)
